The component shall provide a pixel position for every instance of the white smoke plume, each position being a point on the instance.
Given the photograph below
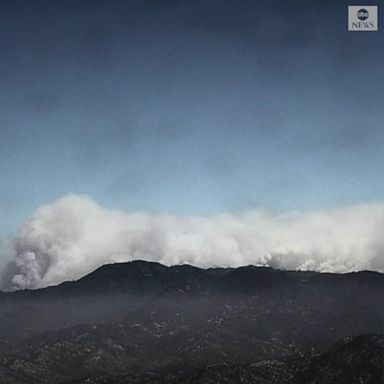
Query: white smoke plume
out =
(74, 235)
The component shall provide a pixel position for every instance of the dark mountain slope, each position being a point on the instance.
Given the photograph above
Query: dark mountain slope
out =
(350, 361)
(145, 317)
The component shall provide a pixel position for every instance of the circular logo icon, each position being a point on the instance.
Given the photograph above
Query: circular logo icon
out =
(362, 14)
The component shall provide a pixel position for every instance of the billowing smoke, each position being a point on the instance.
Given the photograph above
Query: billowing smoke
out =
(74, 235)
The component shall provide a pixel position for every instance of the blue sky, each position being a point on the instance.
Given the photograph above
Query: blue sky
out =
(188, 107)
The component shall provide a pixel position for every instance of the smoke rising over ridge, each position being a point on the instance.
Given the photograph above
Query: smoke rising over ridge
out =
(74, 235)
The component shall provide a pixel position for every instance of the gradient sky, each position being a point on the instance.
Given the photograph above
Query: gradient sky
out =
(189, 107)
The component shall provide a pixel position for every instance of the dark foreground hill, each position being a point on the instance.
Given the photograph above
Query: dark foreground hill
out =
(142, 322)
(350, 361)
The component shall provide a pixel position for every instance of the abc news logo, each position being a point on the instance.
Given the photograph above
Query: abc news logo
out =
(362, 18)
(363, 14)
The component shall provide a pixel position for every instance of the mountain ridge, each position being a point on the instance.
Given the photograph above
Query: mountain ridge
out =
(142, 268)
(138, 318)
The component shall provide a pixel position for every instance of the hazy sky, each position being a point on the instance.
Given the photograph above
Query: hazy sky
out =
(188, 107)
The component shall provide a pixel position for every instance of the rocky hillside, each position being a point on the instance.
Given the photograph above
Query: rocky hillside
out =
(350, 361)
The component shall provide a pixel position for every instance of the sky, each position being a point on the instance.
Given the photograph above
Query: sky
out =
(188, 107)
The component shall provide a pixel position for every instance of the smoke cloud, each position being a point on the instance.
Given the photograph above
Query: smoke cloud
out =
(74, 235)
